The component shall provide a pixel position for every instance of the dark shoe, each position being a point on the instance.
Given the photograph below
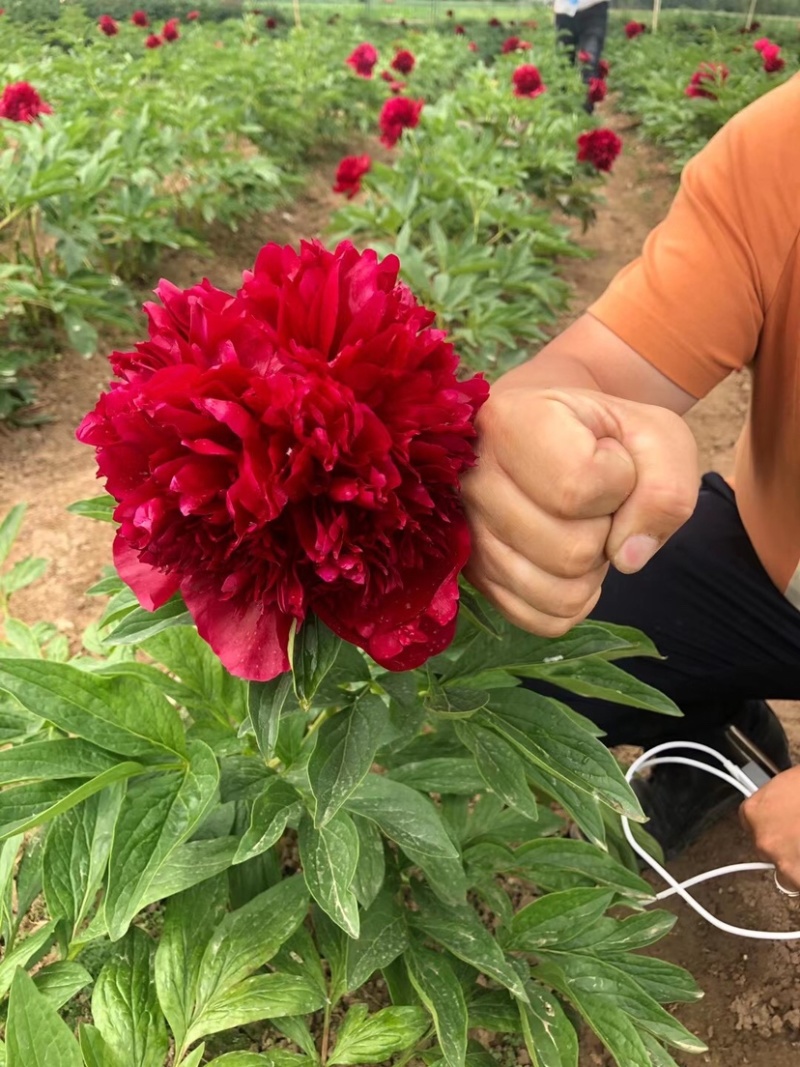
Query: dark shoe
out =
(683, 802)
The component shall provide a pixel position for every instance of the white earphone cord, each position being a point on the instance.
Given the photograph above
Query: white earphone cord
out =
(736, 778)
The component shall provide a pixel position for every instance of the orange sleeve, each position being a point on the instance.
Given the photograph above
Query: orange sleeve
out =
(693, 303)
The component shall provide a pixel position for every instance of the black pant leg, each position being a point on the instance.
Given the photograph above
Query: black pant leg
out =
(567, 34)
(592, 36)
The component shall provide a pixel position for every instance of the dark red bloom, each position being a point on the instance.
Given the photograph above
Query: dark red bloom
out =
(599, 147)
(584, 56)
(108, 25)
(603, 67)
(754, 27)
(397, 115)
(597, 90)
(706, 78)
(527, 81)
(362, 59)
(20, 102)
(387, 76)
(293, 448)
(495, 23)
(459, 31)
(349, 174)
(403, 62)
(271, 23)
(514, 44)
(762, 43)
(139, 18)
(171, 31)
(773, 61)
(193, 16)
(153, 41)
(633, 29)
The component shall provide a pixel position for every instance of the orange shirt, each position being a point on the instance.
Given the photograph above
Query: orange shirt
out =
(717, 288)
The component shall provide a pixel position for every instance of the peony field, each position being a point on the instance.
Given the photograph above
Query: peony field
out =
(278, 787)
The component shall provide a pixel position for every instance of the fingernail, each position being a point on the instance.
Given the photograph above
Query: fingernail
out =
(635, 552)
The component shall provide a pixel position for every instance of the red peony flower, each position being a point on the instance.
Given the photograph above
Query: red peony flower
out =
(772, 59)
(597, 90)
(633, 29)
(707, 77)
(362, 59)
(762, 43)
(271, 23)
(514, 44)
(20, 102)
(397, 87)
(527, 81)
(397, 115)
(472, 46)
(403, 62)
(459, 31)
(584, 56)
(603, 67)
(754, 27)
(108, 25)
(153, 41)
(193, 16)
(495, 23)
(171, 31)
(349, 174)
(294, 447)
(139, 18)
(599, 147)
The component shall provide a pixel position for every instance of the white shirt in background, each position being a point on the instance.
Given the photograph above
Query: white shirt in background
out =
(572, 7)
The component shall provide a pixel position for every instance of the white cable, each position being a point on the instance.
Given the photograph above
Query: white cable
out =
(736, 778)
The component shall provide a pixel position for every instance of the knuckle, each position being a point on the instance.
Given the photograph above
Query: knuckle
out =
(671, 502)
(569, 498)
(578, 555)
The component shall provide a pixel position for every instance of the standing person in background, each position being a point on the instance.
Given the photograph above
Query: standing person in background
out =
(581, 28)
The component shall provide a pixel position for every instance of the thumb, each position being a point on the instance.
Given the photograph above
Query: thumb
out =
(664, 456)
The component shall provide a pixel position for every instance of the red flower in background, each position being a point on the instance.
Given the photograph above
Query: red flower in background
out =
(584, 56)
(597, 90)
(495, 23)
(293, 448)
(108, 25)
(139, 18)
(603, 67)
(472, 46)
(396, 87)
(514, 44)
(754, 27)
(20, 102)
(397, 115)
(193, 16)
(153, 41)
(705, 79)
(349, 174)
(527, 81)
(271, 23)
(599, 148)
(773, 61)
(403, 62)
(171, 31)
(460, 31)
(633, 29)
(762, 43)
(362, 59)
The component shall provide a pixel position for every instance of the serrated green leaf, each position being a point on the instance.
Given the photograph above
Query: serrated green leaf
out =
(404, 815)
(343, 755)
(35, 1035)
(264, 996)
(500, 768)
(272, 809)
(549, 1035)
(125, 1007)
(368, 1039)
(557, 917)
(329, 857)
(441, 993)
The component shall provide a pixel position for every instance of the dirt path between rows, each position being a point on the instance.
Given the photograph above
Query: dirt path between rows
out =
(751, 1012)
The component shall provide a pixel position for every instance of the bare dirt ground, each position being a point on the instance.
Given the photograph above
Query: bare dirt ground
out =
(751, 1012)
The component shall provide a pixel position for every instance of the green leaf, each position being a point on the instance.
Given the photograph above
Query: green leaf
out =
(125, 1007)
(35, 1035)
(557, 917)
(371, 869)
(30, 948)
(9, 529)
(191, 918)
(63, 758)
(95, 1051)
(264, 996)
(584, 810)
(404, 815)
(61, 980)
(8, 859)
(658, 1054)
(265, 704)
(96, 507)
(140, 624)
(441, 993)
(272, 809)
(665, 982)
(493, 1009)
(330, 857)
(475, 609)
(549, 1035)
(314, 653)
(277, 1058)
(300, 955)
(195, 1057)
(22, 574)
(635, 931)
(459, 929)
(343, 755)
(370, 1039)
(449, 775)
(501, 769)
(602, 680)
(561, 863)
(159, 812)
(457, 702)
(114, 713)
(188, 865)
(382, 938)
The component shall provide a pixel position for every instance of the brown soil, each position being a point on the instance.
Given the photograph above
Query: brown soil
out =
(751, 1012)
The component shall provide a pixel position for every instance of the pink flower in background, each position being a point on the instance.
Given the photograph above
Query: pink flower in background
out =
(584, 57)
(762, 43)
(397, 115)
(193, 16)
(773, 62)
(349, 174)
(153, 41)
(597, 90)
(171, 31)
(139, 18)
(363, 59)
(472, 46)
(403, 62)
(633, 29)
(108, 26)
(527, 81)
(460, 31)
(514, 44)
(706, 78)
(20, 102)
(599, 148)
(293, 448)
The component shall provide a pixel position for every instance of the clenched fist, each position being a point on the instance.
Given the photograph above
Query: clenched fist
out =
(568, 481)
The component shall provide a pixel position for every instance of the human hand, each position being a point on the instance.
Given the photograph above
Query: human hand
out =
(566, 480)
(772, 816)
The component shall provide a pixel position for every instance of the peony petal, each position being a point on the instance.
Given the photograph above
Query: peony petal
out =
(151, 586)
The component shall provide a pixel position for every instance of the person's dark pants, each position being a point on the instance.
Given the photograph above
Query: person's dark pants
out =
(585, 31)
(729, 636)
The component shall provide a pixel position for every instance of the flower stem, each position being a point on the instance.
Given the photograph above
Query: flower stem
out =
(326, 1032)
(320, 719)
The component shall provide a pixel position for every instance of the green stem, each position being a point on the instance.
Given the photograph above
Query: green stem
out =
(37, 259)
(320, 719)
(326, 1033)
